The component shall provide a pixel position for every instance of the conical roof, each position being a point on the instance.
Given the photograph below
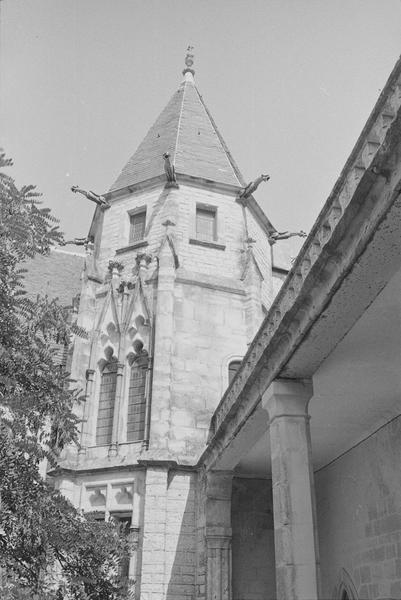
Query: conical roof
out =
(186, 130)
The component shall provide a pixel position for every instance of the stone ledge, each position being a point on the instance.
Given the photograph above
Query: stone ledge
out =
(207, 244)
(211, 286)
(140, 244)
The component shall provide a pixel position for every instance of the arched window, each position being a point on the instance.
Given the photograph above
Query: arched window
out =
(232, 369)
(137, 399)
(106, 404)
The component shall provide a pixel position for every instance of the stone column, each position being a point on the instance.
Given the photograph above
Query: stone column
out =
(133, 561)
(154, 534)
(85, 432)
(218, 535)
(293, 492)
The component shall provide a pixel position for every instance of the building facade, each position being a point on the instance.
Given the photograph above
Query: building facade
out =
(246, 428)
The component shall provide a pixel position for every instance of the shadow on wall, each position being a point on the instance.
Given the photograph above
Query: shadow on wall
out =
(181, 531)
(253, 556)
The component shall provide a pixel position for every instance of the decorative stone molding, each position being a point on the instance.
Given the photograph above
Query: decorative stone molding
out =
(115, 267)
(345, 586)
(205, 244)
(286, 318)
(141, 244)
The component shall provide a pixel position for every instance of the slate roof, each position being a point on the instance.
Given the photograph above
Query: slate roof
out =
(58, 275)
(187, 131)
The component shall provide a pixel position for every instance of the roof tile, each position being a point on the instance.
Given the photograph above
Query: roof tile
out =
(57, 275)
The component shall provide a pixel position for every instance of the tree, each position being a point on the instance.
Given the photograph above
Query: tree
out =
(47, 547)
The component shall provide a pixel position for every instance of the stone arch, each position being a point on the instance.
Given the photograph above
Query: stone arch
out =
(345, 589)
(107, 368)
(231, 358)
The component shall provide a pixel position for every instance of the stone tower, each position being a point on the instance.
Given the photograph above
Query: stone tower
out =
(177, 277)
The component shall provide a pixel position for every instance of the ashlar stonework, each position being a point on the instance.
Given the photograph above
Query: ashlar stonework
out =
(279, 480)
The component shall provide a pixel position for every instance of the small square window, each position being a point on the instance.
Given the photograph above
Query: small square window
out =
(206, 224)
(137, 229)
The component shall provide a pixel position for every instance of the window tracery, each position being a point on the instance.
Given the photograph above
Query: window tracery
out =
(137, 396)
(107, 395)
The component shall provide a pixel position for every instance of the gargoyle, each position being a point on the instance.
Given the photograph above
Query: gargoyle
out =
(253, 186)
(78, 241)
(99, 200)
(275, 236)
(169, 169)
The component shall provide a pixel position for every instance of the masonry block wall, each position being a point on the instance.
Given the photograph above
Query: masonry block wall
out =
(208, 302)
(359, 517)
(209, 328)
(253, 540)
(179, 205)
(169, 538)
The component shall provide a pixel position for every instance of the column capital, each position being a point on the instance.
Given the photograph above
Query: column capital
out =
(287, 398)
(218, 537)
(219, 484)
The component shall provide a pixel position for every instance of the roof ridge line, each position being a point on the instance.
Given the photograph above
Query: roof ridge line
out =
(179, 122)
(231, 161)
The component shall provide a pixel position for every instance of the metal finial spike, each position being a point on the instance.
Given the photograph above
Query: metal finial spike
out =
(189, 61)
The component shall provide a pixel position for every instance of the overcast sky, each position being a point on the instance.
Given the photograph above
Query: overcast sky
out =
(290, 84)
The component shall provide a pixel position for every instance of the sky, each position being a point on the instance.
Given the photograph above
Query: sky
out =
(290, 84)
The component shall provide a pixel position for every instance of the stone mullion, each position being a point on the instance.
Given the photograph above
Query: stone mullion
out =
(117, 409)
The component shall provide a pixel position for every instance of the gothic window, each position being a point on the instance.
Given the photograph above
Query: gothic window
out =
(232, 369)
(346, 589)
(206, 224)
(137, 399)
(106, 404)
(137, 223)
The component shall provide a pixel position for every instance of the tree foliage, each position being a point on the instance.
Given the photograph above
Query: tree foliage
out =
(47, 548)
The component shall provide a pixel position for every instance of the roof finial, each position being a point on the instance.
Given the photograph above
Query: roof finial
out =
(189, 61)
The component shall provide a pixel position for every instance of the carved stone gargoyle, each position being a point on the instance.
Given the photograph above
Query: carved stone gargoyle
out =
(99, 200)
(78, 241)
(170, 171)
(276, 236)
(253, 186)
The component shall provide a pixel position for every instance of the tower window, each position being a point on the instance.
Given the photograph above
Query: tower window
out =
(137, 400)
(206, 224)
(232, 369)
(106, 404)
(137, 226)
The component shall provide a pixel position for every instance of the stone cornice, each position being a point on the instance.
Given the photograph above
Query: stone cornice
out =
(320, 266)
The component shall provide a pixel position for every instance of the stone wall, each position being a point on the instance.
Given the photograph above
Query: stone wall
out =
(209, 328)
(359, 517)
(169, 538)
(253, 540)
